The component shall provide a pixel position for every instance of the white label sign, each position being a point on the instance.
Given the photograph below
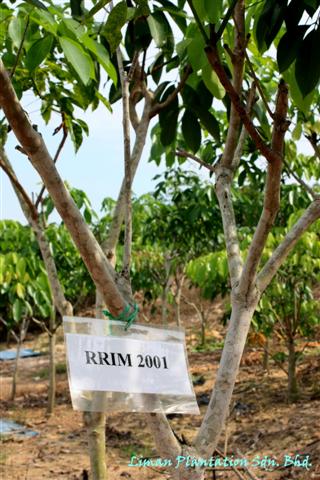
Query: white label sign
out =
(119, 364)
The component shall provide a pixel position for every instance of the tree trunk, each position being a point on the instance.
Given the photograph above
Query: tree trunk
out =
(265, 361)
(218, 408)
(293, 392)
(203, 328)
(52, 365)
(177, 299)
(15, 371)
(95, 423)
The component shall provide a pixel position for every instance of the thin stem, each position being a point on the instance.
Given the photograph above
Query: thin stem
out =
(258, 85)
(20, 48)
(55, 159)
(158, 67)
(225, 20)
(128, 181)
(160, 106)
(17, 184)
(215, 62)
(198, 21)
(300, 181)
(185, 154)
(313, 140)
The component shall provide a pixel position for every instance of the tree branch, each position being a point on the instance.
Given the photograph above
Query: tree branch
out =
(198, 21)
(225, 20)
(243, 135)
(223, 191)
(258, 84)
(89, 249)
(300, 181)
(62, 305)
(237, 58)
(313, 140)
(17, 185)
(282, 251)
(272, 193)
(110, 243)
(55, 159)
(213, 57)
(20, 48)
(160, 106)
(185, 154)
(127, 167)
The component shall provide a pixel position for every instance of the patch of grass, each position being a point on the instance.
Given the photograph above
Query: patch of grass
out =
(138, 450)
(61, 368)
(43, 374)
(210, 346)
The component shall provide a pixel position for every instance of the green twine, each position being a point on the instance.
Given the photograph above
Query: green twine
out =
(126, 315)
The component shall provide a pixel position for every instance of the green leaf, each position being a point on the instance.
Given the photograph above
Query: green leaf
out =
(36, 3)
(102, 55)
(76, 8)
(242, 177)
(177, 14)
(97, 7)
(79, 59)
(20, 290)
(38, 52)
(168, 119)
(213, 10)
(45, 20)
(156, 68)
(307, 68)
(269, 22)
(212, 82)
(16, 29)
(71, 28)
(112, 28)
(17, 309)
(289, 46)
(103, 100)
(200, 8)
(210, 123)
(161, 32)
(193, 101)
(21, 267)
(196, 54)
(191, 131)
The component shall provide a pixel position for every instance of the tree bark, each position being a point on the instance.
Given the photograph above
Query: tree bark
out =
(214, 419)
(52, 364)
(95, 423)
(15, 371)
(265, 360)
(177, 297)
(293, 392)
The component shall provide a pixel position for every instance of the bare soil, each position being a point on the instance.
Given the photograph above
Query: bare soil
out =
(261, 420)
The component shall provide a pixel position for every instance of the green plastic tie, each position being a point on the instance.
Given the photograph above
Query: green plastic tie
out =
(126, 315)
